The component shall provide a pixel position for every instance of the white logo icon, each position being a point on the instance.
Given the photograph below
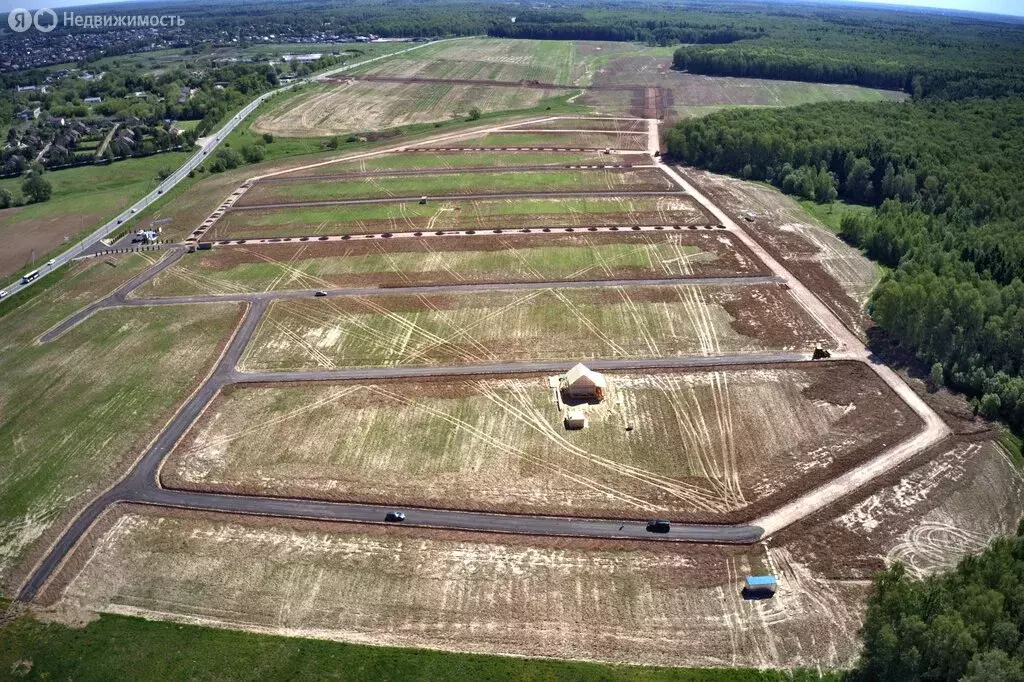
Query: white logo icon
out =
(20, 20)
(49, 25)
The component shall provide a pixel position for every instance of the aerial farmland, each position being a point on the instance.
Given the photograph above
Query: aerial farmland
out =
(326, 340)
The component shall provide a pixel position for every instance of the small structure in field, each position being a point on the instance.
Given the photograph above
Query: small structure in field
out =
(759, 586)
(582, 383)
(575, 420)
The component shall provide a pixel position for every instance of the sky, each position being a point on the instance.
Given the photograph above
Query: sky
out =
(1012, 7)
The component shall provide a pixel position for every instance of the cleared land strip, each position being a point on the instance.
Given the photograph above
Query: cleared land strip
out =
(523, 149)
(119, 298)
(484, 83)
(461, 233)
(346, 175)
(500, 181)
(462, 197)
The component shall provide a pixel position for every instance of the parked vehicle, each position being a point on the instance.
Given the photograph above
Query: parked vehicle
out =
(658, 526)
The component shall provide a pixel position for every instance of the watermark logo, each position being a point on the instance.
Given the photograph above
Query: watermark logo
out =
(45, 20)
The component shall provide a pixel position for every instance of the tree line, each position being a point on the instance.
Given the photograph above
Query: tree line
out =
(964, 625)
(946, 179)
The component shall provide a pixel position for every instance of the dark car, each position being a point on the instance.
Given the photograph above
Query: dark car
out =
(658, 526)
(320, 293)
(394, 517)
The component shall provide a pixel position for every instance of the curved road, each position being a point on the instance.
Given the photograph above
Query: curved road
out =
(142, 483)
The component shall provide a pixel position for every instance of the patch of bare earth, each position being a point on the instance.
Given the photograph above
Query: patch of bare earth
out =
(469, 592)
(699, 445)
(837, 273)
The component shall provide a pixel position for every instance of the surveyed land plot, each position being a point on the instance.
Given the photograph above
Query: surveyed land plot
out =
(449, 160)
(364, 106)
(74, 412)
(544, 61)
(456, 214)
(576, 140)
(541, 324)
(471, 592)
(688, 94)
(448, 184)
(692, 445)
(615, 124)
(411, 262)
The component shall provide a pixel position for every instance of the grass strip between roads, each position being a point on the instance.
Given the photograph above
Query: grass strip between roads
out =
(124, 648)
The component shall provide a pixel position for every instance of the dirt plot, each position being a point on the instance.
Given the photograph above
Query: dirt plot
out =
(545, 61)
(362, 106)
(695, 95)
(580, 140)
(949, 502)
(837, 273)
(542, 324)
(450, 184)
(469, 592)
(405, 262)
(701, 445)
(446, 160)
(454, 214)
(617, 124)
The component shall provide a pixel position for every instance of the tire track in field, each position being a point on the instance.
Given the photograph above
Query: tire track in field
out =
(528, 413)
(505, 447)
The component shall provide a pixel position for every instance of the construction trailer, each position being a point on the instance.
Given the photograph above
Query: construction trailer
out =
(582, 383)
(760, 586)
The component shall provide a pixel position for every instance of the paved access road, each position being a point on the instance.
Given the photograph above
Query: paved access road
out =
(142, 483)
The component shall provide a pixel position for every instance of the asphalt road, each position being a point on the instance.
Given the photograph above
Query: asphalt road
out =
(142, 484)
(209, 145)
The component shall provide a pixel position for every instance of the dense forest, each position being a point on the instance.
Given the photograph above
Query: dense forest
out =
(925, 55)
(946, 178)
(965, 625)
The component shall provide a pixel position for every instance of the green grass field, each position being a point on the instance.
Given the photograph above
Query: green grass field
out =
(74, 411)
(400, 161)
(423, 262)
(83, 199)
(477, 182)
(547, 61)
(458, 214)
(831, 215)
(121, 648)
(588, 140)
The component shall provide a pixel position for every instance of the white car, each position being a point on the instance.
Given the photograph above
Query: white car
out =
(51, 261)
(134, 210)
(3, 293)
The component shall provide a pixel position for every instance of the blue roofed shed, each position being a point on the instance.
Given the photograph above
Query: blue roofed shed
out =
(761, 583)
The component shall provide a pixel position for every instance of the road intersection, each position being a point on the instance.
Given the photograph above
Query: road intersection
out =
(142, 483)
